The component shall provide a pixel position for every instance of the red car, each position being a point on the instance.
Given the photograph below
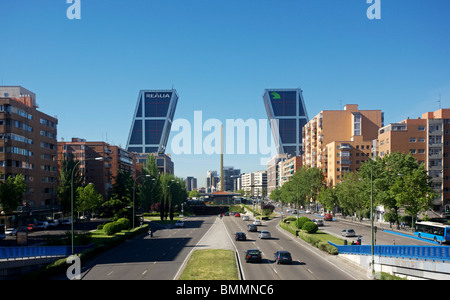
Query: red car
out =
(237, 214)
(31, 227)
(328, 217)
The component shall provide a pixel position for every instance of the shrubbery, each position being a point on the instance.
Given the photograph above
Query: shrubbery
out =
(310, 227)
(116, 226)
(301, 221)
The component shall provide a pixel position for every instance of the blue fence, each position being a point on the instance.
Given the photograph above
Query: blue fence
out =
(416, 252)
(37, 252)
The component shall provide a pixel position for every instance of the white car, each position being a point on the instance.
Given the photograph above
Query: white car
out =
(257, 222)
(42, 225)
(264, 234)
(245, 218)
(179, 224)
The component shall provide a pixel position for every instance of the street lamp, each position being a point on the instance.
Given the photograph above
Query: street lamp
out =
(134, 191)
(71, 193)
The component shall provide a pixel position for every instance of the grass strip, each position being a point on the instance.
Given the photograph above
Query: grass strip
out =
(211, 264)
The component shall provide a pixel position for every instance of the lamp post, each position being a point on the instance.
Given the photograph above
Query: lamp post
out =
(134, 191)
(371, 217)
(71, 194)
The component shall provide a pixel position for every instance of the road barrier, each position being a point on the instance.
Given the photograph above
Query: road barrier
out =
(405, 251)
(38, 252)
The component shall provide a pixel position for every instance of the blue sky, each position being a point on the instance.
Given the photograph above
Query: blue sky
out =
(220, 56)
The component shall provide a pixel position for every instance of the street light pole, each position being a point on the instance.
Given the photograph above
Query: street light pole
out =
(134, 192)
(71, 196)
(371, 216)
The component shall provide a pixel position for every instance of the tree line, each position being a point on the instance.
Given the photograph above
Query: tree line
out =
(396, 182)
(151, 191)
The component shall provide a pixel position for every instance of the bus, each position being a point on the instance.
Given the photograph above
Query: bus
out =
(436, 232)
(2, 232)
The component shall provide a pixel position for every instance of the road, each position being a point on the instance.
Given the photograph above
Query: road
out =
(309, 263)
(149, 258)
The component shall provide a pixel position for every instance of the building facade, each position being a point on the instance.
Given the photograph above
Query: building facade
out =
(101, 173)
(28, 146)
(428, 140)
(274, 172)
(350, 130)
(152, 121)
(287, 115)
(289, 167)
(255, 184)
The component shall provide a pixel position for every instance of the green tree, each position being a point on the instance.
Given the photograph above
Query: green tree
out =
(123, 185)
(350, 194)
(88, 199)
(194, 194)
(150, 190)
(64, 185)
(11, 192)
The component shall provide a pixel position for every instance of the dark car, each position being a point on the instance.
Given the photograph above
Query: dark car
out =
(253, 255)
(283, 257)
(252, 227)
(240, 236)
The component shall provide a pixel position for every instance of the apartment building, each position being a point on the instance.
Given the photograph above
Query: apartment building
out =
(289, 167)
(255, 183)
(28, 147)
(273, 172)
(428, 140)
(333, 138)
(101, 173)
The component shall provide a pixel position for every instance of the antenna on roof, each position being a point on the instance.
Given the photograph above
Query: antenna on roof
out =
(439, 100)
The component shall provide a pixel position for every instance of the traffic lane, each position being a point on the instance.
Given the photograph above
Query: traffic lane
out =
(268, 269)
(318, 264)
(158, 257)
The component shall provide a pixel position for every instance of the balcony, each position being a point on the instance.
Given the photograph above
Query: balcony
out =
(346, 147)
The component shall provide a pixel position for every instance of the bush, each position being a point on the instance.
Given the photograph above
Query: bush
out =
(111, 228)
(301, 221)
(310, 227)
(123, 224)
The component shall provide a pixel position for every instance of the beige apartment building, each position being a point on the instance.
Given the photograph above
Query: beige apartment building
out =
(289, 167)
(428, 140)
(338, 141)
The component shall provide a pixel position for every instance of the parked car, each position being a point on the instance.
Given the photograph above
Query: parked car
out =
(252, 227)
(257, 222)
(307, 211)
(264, 234)
(66, 222)
(179, 224)
(52, 223)
(237, 214)
(11, 231)
(31, 227)
(348, 232)
(328, 217)
(253, 255)
(283, 257)
(319, 222)
(245, 218)
(42, 225)
(240, 236)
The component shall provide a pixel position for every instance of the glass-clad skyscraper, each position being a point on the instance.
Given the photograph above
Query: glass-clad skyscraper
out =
(152, 121)
(287, 115)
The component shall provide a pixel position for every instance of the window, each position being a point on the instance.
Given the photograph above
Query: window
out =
(421, 128)
(412, 140)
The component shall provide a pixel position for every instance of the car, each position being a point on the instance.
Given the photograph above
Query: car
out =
(328, 217)
(245, 218)
(319, 222)
(252, 227)
(264, 234)
(31, 227)
(66, 222)
(283, 257)
(42, 225)
(237, 215)
(257, 222)
(307, 211)
(52, 223)
(11, 231)
(253, 255)
(348, 232)
(240, 236)
(179, 224)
